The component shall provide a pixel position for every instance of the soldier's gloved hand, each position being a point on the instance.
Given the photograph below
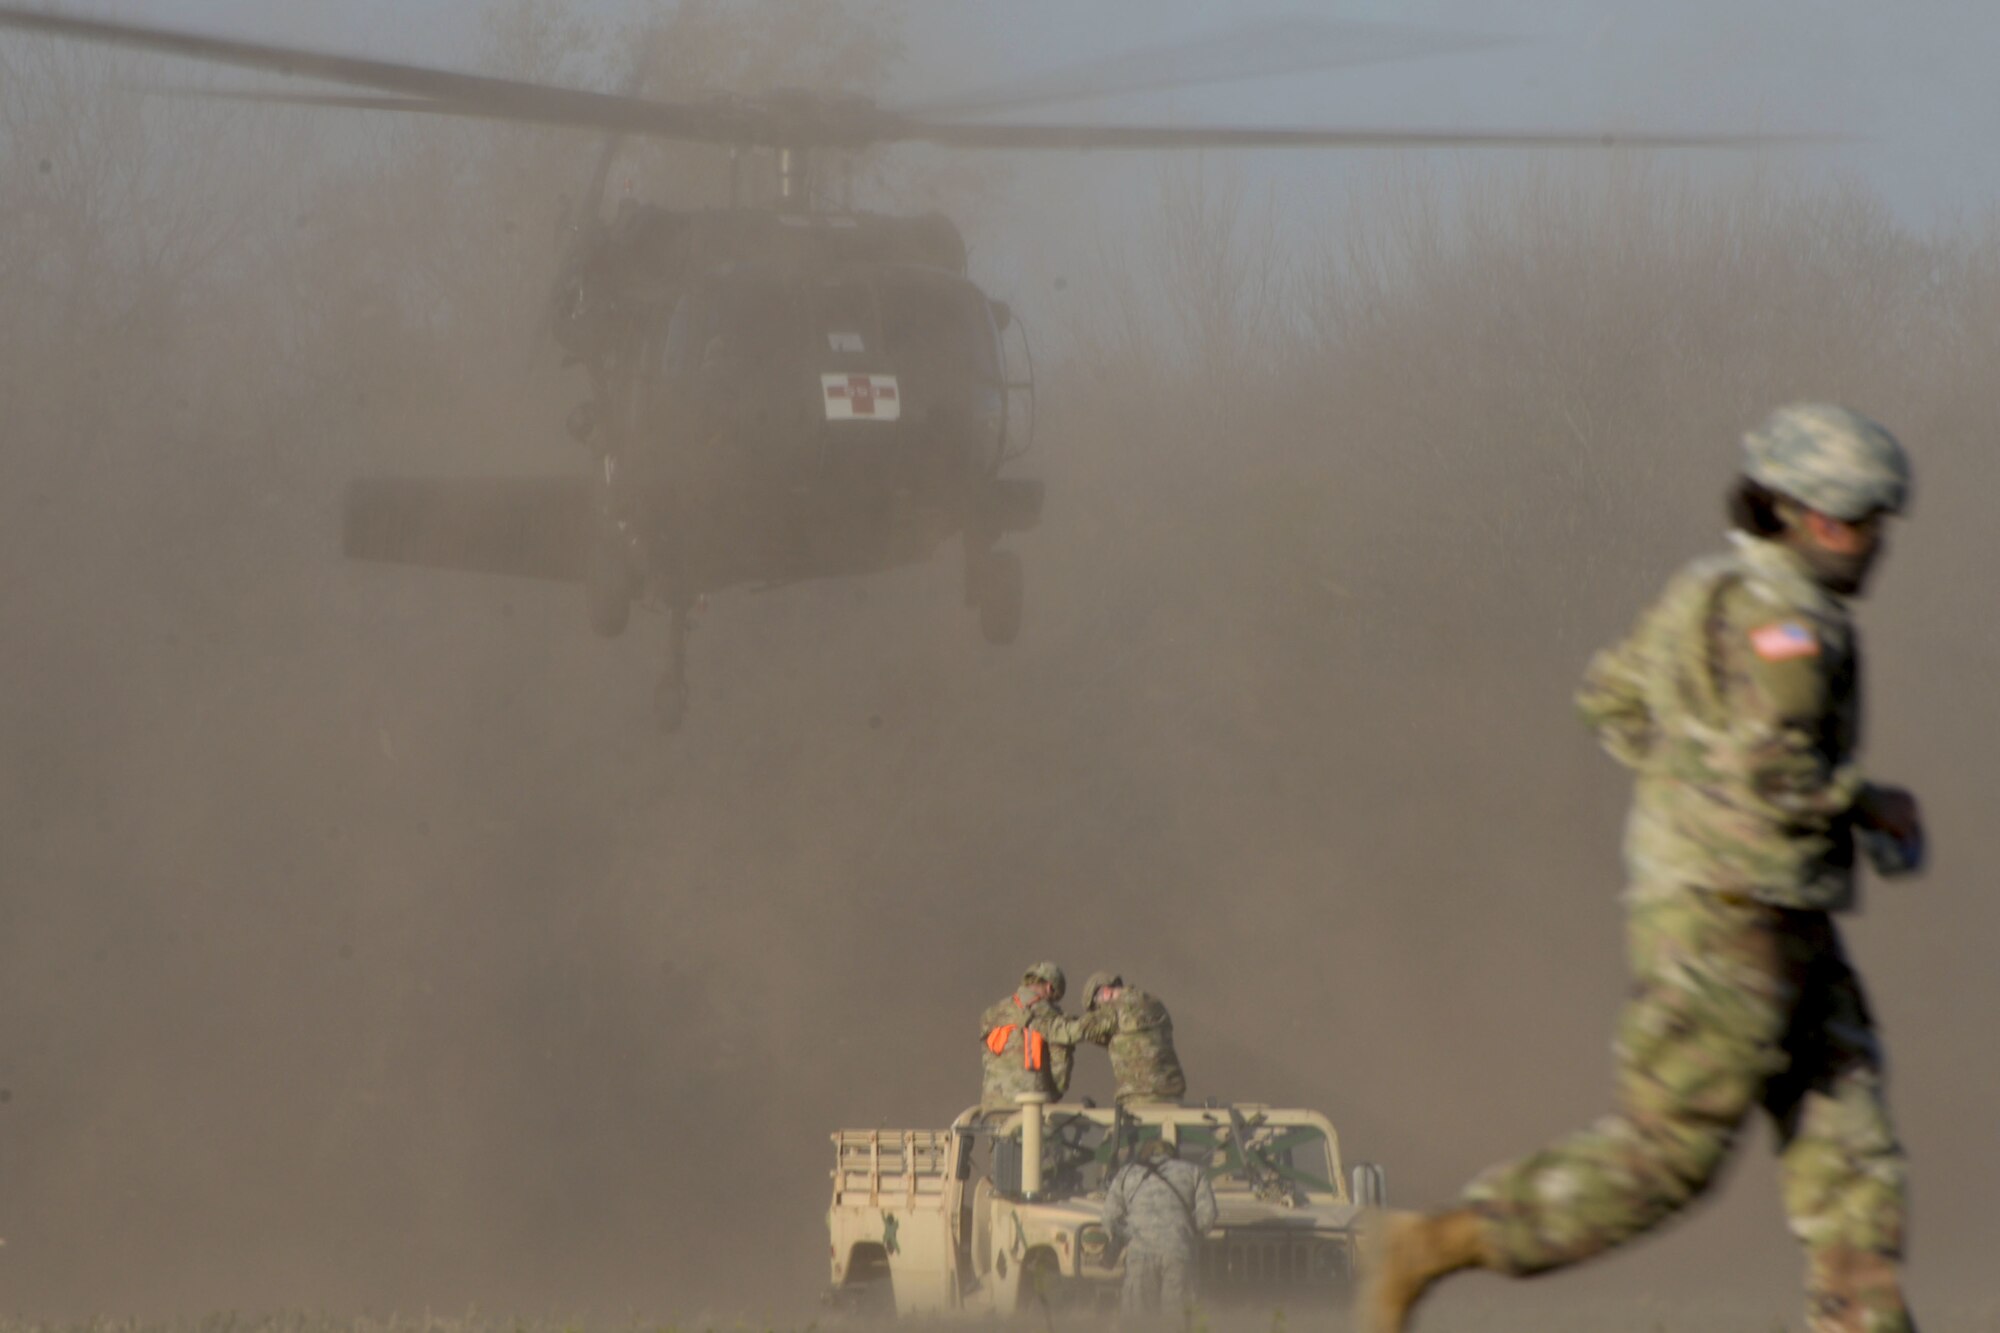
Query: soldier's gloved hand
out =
(1891, 830)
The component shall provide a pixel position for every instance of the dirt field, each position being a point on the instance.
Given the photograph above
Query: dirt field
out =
(1654, 1314)
(362, 947)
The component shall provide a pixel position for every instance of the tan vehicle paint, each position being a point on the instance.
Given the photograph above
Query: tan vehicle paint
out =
(969, 1219)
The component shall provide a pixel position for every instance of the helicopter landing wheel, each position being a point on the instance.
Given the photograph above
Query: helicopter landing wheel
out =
(670, 702)
(609, 584)
(1000, 595)
(978, 569)
(670, 697)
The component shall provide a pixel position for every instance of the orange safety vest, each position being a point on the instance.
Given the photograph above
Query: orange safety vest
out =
(1034, 1046)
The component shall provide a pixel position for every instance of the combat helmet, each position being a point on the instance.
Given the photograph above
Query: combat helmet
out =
(1097, 982)
(1829, 459)
(1049, 972)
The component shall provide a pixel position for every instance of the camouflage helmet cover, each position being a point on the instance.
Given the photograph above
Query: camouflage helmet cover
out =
(1829, 459)
(1155, 1150)
(1099, 980)
(1049, 972)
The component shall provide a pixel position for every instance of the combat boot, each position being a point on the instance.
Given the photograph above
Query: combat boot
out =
(1406, 1253)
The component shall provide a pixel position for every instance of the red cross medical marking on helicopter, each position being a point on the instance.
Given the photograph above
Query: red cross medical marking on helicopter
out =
(874, 397)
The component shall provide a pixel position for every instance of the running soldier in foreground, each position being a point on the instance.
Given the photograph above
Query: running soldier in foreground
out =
(1138, 1033)
(1027, 1045)
(1158, 1207)
(1736, 702)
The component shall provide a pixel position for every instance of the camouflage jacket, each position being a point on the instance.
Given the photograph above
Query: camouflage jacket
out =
(1139, 1035)
(1024, 1047)
(1159, 1208)
(1736, 700)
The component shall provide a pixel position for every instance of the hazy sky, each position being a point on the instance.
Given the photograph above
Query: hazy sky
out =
(1911, 83)
(1914, 81)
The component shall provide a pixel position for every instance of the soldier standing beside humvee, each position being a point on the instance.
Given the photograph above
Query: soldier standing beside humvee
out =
(1158, 1207)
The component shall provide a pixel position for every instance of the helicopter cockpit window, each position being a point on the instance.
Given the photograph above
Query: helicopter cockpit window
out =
(940, 321)
(746, 318)
(845, 314)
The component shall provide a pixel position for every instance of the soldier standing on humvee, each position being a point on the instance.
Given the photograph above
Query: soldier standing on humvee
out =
(1139, 1036)
(1027, 1043)
(1736, 700)
(1158, 1208)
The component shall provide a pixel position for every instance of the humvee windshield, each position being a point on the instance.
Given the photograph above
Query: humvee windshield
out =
(1081, 1154)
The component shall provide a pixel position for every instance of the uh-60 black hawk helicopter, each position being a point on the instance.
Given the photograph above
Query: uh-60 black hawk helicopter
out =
(779, 392)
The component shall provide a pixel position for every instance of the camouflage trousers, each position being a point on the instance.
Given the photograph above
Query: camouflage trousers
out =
(1734, 1006)
(1156, 1286)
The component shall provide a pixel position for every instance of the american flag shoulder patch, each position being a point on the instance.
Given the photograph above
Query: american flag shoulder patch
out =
(1783, 640)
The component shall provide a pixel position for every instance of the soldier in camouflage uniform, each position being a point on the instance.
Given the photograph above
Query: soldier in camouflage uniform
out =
(1026, 1045)
(1138, 1033)
(1158, 1207)
(1736, 701)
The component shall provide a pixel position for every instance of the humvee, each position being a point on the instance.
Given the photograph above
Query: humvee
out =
(1003, 1212)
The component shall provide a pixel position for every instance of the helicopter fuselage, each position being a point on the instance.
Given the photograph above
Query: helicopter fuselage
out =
(779, 397)
(797, 422)
(773, 398)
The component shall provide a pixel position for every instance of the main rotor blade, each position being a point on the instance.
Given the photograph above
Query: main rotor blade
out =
(1086, 137)
(340, 101)
(423, 106)
(455, 93)
(793, 123)
(1283, 46)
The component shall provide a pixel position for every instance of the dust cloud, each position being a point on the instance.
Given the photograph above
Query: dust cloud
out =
(362, 946)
